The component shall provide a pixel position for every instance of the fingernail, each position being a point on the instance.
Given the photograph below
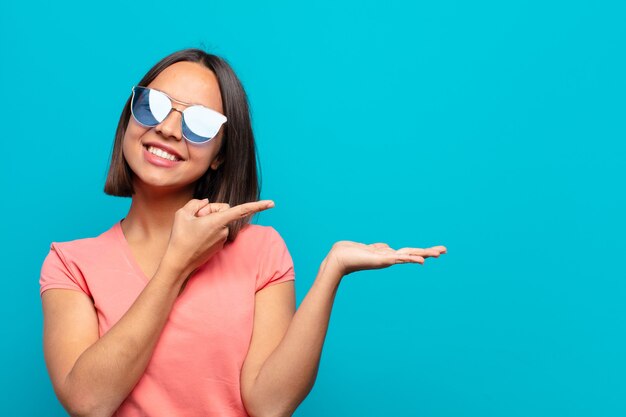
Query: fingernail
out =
(270, 204)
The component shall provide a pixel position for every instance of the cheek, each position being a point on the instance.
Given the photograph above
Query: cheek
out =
(203, 156)
(131, 149)
(201, 161)
(126, 146)
(133, 135)
(134, 131)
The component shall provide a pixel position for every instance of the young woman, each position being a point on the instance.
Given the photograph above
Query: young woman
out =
(183, 307)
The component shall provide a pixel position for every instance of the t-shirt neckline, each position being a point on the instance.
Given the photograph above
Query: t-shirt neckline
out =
(119, 232)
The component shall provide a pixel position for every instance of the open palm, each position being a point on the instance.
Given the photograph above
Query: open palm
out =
(349, 256)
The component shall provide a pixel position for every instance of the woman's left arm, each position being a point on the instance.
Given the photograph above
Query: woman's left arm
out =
(284, 354)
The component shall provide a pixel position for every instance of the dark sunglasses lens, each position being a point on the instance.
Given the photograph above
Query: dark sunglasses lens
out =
(201, 124)
(192, 136)
(147, 106)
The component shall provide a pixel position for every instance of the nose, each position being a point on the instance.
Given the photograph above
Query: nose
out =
(171, 127)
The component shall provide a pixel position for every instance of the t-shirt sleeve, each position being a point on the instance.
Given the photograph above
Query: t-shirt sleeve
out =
(276, 263)
(58, 272)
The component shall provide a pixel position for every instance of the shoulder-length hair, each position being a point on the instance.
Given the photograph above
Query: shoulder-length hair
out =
(235, 181)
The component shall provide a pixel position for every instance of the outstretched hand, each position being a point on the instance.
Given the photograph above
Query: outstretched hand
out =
(346, 257)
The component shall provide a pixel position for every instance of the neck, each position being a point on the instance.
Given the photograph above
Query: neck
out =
(151, 213)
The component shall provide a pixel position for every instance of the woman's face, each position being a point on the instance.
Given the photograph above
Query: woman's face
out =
(188, 82)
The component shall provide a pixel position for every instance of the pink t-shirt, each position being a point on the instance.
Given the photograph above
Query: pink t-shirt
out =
(195, 367)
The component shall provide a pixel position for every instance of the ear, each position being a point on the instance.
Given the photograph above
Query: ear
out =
(217, 161)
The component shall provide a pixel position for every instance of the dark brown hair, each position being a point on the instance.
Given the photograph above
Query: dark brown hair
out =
(235, 181)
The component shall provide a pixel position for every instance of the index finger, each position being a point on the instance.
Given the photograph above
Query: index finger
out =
(242, 210)
(440, 248)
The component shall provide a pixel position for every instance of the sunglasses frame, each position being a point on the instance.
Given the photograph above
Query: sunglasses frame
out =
(182, 119)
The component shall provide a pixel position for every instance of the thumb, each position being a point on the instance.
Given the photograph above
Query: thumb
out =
(194, 205)
(212, 208)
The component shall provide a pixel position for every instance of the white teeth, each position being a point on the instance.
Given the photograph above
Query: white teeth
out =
(161, 153)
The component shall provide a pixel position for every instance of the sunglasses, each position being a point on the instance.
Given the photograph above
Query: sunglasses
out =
(150, 107)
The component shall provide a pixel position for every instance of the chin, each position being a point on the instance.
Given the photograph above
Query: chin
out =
(160, 184)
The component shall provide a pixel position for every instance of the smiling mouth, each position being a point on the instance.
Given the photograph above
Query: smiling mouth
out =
(161, 153)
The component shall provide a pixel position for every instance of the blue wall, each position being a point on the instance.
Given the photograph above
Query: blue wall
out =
(494, 128)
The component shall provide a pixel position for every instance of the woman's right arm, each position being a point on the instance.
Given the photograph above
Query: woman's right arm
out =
(92, 376)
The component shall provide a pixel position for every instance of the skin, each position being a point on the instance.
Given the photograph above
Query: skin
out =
(166, 190)
(170, 235)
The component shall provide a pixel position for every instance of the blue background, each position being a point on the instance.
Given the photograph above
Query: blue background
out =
(494, 128)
